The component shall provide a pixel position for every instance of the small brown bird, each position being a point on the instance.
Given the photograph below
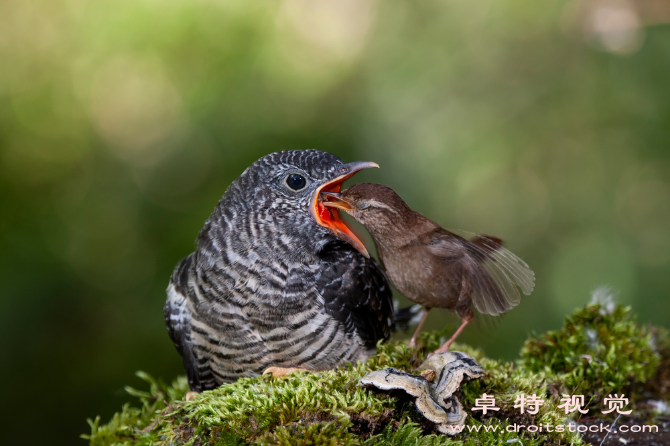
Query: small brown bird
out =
(432, 266)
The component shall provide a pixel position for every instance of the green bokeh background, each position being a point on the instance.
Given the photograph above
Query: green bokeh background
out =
(122, 123)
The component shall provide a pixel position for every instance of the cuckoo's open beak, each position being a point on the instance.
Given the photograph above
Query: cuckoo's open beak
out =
(328, 216)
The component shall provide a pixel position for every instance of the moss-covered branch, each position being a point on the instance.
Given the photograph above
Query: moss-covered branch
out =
(599, 350)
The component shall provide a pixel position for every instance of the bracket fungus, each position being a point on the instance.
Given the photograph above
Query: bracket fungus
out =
(433, 398)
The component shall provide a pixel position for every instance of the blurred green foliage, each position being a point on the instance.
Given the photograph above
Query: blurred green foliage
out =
(122, 123)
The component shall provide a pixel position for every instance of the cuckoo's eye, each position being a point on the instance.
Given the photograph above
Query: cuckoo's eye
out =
(296, 182)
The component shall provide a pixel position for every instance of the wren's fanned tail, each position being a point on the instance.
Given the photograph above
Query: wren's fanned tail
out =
(498, 274)
(486, 242)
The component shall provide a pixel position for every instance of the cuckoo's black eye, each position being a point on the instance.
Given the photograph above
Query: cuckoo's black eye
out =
(296, 182)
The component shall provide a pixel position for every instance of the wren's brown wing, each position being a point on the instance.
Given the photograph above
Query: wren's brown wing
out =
(497, 273)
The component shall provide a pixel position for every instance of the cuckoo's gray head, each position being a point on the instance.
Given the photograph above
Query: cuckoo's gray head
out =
(276, 204)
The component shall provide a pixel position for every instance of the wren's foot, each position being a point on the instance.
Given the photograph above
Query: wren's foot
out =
(443, 348)
(278, 372)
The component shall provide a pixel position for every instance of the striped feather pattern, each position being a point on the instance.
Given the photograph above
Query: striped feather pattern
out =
(267, 286)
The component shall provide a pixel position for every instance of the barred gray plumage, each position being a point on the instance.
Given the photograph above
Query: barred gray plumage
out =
(272, 282)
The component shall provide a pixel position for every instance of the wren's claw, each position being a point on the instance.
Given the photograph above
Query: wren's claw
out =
(280, 372)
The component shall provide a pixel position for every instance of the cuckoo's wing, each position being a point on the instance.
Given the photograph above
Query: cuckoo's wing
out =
(178, 322)
(496, 274)
(356, 293)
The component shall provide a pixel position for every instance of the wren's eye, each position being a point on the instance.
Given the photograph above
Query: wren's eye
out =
(296, 182)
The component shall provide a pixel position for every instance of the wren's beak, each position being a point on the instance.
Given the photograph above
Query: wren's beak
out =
(324, 212)
(339, 203)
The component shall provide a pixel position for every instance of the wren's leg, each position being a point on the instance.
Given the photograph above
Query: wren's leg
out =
(463, 310)
(415, 336)
(283, 371)
(467, 318)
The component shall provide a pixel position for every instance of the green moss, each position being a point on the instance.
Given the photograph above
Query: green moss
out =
(408, 433)
(600, 350)
(132, 425)
(659, 385)
(506, 382)
(252, 406)
(329, 408)
(312, 434)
